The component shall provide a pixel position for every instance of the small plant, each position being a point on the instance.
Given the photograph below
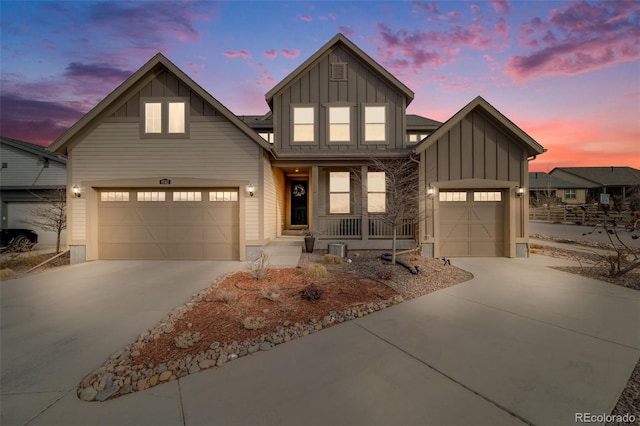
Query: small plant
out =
(285, 308)
(226, 296)
(315, 271)
(7, 273)
(385, 275)
(273, 293)
(312, 293)
(332, 259)
(254, 323)
(186, 340)
(259, 267)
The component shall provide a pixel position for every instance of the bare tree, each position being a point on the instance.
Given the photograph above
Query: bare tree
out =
(50, 214)
(402, 196)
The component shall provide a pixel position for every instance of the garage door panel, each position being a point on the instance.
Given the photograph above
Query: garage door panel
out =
(472, 227)
(168, 229)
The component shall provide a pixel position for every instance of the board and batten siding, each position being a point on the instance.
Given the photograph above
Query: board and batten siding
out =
(214, 150)
(26, 169)
(315, 87)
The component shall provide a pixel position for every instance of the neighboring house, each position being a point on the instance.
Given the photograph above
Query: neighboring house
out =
(545, 189)
(620, 181)
(28, 173)
(164, 170)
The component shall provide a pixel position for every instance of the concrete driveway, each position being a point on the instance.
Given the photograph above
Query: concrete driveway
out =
(520, 343)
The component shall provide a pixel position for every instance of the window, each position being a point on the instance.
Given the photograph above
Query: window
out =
(151, 196)
(570, 194)
(375, 123)
(339, 187)
(416, 137)
(166, 118)
(487, 196)
(376, 192)
(114, 196)
(339, 127)
(304, 124)
(453, 196)
(187, 196)
(267, 136)
(223, 196)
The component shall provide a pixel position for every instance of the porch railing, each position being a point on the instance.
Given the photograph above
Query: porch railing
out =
(341, 226)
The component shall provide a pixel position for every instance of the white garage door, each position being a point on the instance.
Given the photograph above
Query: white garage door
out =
(471, 223)
(175, 224)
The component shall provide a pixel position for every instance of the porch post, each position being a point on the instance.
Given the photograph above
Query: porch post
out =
(315, 178)
(364, 210)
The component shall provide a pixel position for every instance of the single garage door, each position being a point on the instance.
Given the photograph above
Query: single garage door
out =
(175, 224)
(471, 223)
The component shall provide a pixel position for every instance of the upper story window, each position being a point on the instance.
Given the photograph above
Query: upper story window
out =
(376, 192)
(339, 192)
(304, 129)
(339, 124)
(267, 136)
(166, 118)
(375, 123)
(416, 137)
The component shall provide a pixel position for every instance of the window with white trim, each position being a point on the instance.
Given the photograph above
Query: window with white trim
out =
(339, 124)
(116, 196)
(187, 196)
(376, 192)
(453, 196)
(570, 194)
(223, 196)
(339, 192)
(164, 118)
(304, 124)
(151, 196)
(487, 196)
(375, 123)
(267, 136)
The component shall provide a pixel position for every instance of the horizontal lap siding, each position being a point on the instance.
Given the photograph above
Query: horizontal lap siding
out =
(26, 169)
(269, 200)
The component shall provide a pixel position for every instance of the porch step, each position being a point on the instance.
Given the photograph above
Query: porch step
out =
(292, 233)
(287, 240)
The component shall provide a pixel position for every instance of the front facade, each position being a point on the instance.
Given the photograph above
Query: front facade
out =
(546, 190)
(164, 171)
(28, 175)
(621, 182)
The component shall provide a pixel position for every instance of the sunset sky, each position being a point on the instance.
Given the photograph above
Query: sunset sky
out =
(567, 73)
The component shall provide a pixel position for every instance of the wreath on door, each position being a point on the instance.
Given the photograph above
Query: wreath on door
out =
(298, 190)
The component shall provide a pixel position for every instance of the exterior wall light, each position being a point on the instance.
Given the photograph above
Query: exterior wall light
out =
(519, 191)
(76, 191)
(251, 189)
(431, 191)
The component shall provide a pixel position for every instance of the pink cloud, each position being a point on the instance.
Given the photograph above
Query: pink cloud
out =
(264, 79)
(237, 54)
(305, 18)
(474, 8)
(501, 6)
(290, 53)
(270, 53)
(577, 38)
(348, 31)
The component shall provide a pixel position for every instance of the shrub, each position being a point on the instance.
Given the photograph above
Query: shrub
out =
(254, 323)
(332, 259)
(7, 273)
(273, 293)
(312, 293)
(286, 308)
(315, 271)
(226, 296)
(186, 340)
(259, 267)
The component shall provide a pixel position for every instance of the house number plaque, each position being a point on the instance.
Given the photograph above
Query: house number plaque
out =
(165, 181)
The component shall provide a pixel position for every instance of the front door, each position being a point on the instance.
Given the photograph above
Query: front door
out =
(299, 202)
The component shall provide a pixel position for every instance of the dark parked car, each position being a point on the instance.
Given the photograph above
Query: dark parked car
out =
(17, 239)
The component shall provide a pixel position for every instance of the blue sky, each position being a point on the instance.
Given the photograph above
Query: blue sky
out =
(568, 73)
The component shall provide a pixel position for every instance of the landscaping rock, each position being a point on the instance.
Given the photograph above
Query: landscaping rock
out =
(266, 346)
(154, 380)
(88, 393)
(107, 393)
(165, 375)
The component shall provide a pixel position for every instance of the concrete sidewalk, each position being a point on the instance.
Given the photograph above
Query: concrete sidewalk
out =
(520, 343)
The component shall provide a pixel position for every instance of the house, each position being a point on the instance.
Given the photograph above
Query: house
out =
(545, 189)
(29, 173)
(619, 181)
(165, 171)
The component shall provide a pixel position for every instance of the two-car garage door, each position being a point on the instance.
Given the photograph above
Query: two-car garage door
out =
(472, 223)
(168, 224)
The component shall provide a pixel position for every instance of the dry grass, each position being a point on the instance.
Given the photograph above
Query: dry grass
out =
(332, 259)
(7, 273)
(271, 293)
(315, 272)
(254, 323)
(226, 296)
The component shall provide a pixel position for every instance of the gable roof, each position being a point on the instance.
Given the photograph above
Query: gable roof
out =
(418, 122)
(541, 180)
(93, 116)
(340, 39)
(31, 148)
(604, 175)
(533, 147)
